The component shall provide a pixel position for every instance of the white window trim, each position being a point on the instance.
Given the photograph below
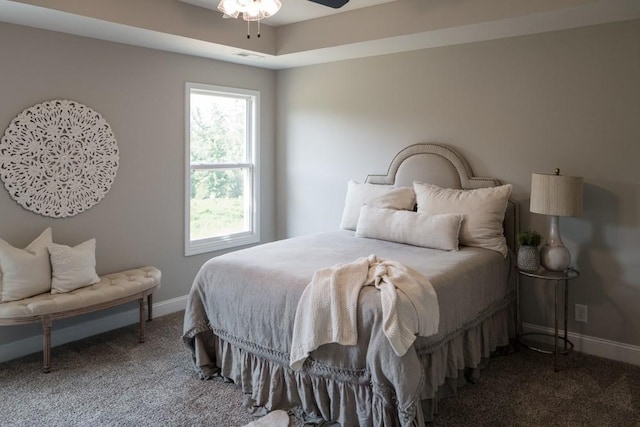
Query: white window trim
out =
(239, 239)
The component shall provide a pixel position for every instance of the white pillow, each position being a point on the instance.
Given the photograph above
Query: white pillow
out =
(483, 210)
(414, 228)
(25, 272)
(73, 268)
(382, 196)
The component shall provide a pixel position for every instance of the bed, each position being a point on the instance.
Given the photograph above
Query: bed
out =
(241, 309)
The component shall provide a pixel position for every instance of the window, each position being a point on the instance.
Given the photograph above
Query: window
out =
(221, 154)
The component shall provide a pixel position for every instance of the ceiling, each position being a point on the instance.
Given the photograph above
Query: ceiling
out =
(304, 33)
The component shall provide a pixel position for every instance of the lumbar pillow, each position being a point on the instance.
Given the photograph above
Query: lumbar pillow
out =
(382, 196)
(414, 228)
(25, 272)
(73, 268)
(483, 210)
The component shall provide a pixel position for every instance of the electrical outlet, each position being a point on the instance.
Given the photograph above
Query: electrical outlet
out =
(581, 313)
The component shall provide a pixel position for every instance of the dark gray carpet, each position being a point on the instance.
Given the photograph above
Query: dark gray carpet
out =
(111, 380)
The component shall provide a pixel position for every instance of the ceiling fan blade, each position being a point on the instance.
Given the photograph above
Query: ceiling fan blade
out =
(336, 4)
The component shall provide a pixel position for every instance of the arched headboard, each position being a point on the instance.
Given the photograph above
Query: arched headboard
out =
(441, 165)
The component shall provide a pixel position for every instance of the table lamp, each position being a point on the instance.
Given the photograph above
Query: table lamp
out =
(555, 195)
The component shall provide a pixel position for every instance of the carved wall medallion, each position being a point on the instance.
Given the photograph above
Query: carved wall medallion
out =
(58, 158)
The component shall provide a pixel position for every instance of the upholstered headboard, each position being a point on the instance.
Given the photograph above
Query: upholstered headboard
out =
(441, 165)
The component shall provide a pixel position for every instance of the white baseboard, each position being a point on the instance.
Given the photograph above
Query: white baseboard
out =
(82, 330)
(169, 306)
(621, 352)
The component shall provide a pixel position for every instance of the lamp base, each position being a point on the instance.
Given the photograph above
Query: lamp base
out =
(555, 258)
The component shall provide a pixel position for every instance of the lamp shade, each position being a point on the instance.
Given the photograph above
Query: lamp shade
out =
(556, 195)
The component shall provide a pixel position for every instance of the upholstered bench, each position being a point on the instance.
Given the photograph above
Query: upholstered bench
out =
(112, 289)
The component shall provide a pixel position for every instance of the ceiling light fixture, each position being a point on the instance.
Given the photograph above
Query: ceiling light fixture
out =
(252, 10)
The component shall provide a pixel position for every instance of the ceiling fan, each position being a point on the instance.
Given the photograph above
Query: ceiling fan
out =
(336, 4)
(257, 10)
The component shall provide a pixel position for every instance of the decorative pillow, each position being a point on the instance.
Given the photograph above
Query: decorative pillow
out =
(25, 272)
(73, 268)
(414, 228)
(382, 196)
(483, 210)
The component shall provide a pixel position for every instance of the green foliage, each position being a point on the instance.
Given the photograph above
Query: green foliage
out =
(218, 136)
(207, 184)
(216, 217)
(529, 238)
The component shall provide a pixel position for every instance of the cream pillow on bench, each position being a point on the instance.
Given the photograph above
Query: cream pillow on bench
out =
(72, 268)
(25, 272)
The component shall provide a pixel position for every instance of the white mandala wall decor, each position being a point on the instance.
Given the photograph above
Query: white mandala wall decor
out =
(58, 158)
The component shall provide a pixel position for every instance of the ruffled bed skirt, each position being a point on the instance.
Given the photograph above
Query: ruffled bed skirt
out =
(269, 384)
(458, 360)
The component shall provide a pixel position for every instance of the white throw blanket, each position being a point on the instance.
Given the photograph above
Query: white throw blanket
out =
(327, 309)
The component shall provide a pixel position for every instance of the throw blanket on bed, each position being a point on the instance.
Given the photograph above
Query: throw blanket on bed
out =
(326, 312)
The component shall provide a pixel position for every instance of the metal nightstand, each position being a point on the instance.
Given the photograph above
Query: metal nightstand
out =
(557, 277)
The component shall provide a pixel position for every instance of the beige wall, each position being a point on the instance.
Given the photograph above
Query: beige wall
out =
(568, 99)
(140, 92)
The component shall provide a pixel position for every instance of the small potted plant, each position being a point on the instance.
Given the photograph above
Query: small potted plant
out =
(528, 255)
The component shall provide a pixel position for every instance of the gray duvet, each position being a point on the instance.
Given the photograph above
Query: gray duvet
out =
(242, 306)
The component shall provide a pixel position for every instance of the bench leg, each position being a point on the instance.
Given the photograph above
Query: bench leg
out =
(143, 303)
(150, 307)
(46, 344)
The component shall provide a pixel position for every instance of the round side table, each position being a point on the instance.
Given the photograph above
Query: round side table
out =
(557, 277)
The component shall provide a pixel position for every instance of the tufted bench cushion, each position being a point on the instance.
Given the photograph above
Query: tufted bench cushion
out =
(112, 289)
